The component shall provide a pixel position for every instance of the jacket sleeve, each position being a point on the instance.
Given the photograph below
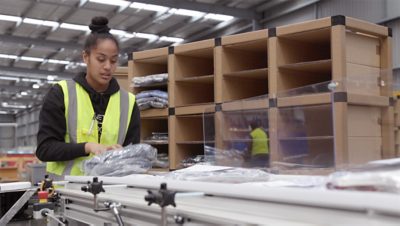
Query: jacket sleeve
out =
(52, 130)
(133, 133)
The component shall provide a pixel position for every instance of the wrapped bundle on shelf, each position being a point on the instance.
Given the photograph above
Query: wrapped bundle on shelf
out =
(152, 99)
(150, 80)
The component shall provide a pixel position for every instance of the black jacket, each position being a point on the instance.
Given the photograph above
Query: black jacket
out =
(52, 122)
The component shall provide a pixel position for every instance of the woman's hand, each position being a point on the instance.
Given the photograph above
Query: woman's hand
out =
(98, 149)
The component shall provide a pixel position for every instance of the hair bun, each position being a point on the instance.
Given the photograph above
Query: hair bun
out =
(99, 25)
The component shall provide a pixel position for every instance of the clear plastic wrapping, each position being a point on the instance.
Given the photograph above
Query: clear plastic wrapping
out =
(137, 158)
(152, 99)
(150, 80)
(382, 175)
(228, 175)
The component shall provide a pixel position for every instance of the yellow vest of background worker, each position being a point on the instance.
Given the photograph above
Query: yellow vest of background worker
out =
(82, 124)
(259, 142)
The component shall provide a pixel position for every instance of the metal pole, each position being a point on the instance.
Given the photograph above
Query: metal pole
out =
(163, 216)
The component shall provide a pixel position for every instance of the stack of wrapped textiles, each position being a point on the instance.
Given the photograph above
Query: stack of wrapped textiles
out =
(150, 80)
(152, 99)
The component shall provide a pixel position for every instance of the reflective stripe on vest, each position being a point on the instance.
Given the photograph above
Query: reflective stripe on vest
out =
(82, 125)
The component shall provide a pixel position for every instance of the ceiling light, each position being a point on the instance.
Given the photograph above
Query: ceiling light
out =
(53, 61)
(74, 27)
(11, 18)
(40, 22)
(31, 80)
(14, 106)
(220, 17)
(9, 78)
(146, 36)
(149, 7)
(171, 39)
(185, 12)
(6, 56)
(34, 59)
(51, 77)
(3, 112)
(35, 86)
(113, 2)
(24, 93)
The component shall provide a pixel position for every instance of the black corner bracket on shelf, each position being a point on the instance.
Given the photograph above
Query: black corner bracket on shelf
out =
(273, 102)
(272, 32)
(338, 20)
(339, 97)
(171, 111)
(171, 49)
(217, 41)
(218, 107)
(390, 32)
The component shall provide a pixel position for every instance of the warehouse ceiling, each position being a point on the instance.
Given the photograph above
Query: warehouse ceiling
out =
(41, 40)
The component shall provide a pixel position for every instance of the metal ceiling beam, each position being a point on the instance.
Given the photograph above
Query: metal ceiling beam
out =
(203, 7)
(208, 32)
(17, 87)
(22, 101)
(23, 14)
(31, 73)
(39, 42)
(146, 22)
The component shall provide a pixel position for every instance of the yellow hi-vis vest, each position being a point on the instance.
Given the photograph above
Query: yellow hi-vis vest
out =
(82, 125)
(259, 142)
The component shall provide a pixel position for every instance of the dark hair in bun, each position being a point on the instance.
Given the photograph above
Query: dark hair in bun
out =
(99, 25)
(100, 31)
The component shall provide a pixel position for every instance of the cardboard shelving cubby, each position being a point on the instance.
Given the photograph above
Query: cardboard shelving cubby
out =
(188, 138)
(193, 71)
(333, 75)
(242, 66)
(150, 62)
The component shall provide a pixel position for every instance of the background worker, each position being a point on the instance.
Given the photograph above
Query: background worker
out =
(90, 114)
(258, 145)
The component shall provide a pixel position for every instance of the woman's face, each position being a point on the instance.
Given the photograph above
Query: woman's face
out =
(101, 64)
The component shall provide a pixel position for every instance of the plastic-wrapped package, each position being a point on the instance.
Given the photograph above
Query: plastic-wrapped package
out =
(228, 175)
(136, 158)
(152, 93)
(150, 80)
(382, 175)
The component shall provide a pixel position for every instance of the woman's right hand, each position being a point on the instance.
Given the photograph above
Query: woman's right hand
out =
(95, 148)
(98, 149)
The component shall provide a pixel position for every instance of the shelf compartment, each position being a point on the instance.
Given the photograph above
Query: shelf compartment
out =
(194, 59)
(303, 75)
(189, 128)
(150, 125)
(244, 66)
(193, 93)
(303, 47)
(149, 62)
(193, 69)
(184, 151)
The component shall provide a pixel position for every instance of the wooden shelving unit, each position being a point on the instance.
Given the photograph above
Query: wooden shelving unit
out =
(193, 69)
(332, 75)
(153, 120)
(242, 66)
